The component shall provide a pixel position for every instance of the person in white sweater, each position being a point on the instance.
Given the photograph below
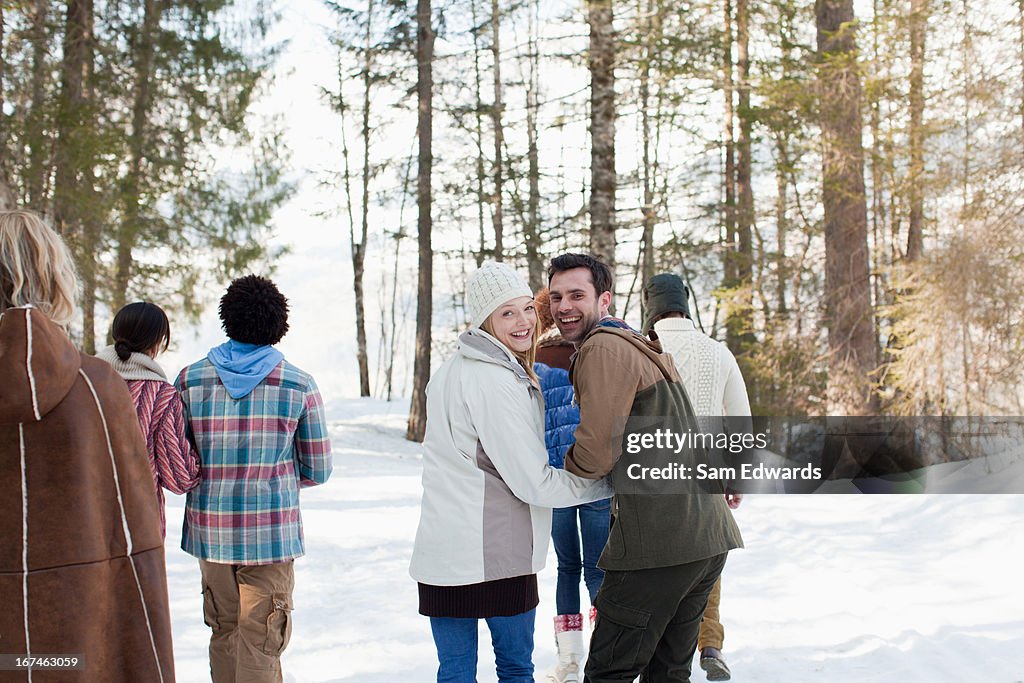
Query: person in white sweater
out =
(714, 384)
(488, 490)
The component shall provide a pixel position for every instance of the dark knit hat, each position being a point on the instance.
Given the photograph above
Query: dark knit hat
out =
(664, 293)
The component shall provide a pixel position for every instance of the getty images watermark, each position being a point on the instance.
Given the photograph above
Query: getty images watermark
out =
(673, 455)
(666, 440)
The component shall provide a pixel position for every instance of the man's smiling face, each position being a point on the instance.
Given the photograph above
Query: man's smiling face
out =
(576, 305)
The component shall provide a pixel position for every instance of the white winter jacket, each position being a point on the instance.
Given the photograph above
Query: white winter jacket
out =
(487, 487)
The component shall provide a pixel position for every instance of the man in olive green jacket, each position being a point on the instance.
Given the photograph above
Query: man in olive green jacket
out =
(666, 548)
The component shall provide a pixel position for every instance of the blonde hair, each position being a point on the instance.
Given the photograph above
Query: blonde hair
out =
(36, 268)
(525, 358)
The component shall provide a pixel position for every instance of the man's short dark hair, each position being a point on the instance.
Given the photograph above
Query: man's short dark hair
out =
(600, 273)
(253, 311)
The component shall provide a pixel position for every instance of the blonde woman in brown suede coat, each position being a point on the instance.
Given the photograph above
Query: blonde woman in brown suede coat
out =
(81, 559)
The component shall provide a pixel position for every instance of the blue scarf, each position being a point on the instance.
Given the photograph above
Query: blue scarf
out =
(241, 367)
(609, 321)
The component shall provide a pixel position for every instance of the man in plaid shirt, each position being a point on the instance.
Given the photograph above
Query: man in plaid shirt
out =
(258, 425)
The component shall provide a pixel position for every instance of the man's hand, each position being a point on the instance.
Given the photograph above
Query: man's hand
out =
(733, 499)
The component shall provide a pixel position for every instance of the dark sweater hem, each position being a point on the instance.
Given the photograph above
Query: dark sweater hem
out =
(498, 598)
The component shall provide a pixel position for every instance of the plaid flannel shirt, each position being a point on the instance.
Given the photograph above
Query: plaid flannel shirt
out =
(256, 452)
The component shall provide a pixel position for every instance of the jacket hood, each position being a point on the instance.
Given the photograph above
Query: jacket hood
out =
(38, 365)
(650, 347)
(241, 367)
(478, 345)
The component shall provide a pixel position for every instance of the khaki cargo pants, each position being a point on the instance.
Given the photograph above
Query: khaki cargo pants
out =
(712, 633)
(249, 609)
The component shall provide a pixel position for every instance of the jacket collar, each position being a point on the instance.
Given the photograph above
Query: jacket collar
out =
(138, 366)
(649, 347)
(675, 325)
(476, 344)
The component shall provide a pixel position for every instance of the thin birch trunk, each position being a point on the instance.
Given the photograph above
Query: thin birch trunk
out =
(424, 94)
(729, 218)
(741, 315)
(647, 207)
(531, 230)
(478, 113)
(37, 143)
(499, 135)
(918, 24)
(602, 131)
(359, 247)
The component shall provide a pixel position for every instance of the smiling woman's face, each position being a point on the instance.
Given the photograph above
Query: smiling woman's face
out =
(514, 322)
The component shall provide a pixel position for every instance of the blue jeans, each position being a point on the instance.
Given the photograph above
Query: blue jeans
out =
(511, 637)
(565, 534)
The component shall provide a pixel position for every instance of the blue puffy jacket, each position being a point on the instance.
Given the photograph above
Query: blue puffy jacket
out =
(561, 415)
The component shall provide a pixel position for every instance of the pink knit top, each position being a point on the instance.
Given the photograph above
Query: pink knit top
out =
(172, 460)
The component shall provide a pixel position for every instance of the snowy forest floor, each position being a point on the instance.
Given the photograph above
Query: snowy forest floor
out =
(912, 589)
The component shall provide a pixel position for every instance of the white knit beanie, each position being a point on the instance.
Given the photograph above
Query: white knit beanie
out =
(489, 287)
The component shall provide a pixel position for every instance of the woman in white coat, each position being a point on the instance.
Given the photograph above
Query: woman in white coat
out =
(488, 490)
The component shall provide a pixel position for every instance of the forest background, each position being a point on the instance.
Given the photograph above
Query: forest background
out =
(839, 182)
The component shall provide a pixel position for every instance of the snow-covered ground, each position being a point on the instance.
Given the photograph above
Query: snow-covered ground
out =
(913, 589)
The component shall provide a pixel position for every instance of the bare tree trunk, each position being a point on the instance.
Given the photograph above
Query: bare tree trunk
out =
(781, 220)
(1020, 22)
(359, 247)
(389, 375)
(130, 224)
(853, 348)
(729, 253)
(532, 228)
(740, 322)
(479, 115)
(73, 201)
(424, 90)
(967, 44)
(647, 208)
(91, 233)
(7, 201)
(783, 173)
(878, 159)
(3, 117)
(602, 131)
(499, 134)
(918, 23)
(36, 141)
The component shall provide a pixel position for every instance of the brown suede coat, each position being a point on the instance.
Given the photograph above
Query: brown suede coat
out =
(88, 551)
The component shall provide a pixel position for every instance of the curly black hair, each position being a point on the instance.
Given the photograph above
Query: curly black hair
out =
(254, 311)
